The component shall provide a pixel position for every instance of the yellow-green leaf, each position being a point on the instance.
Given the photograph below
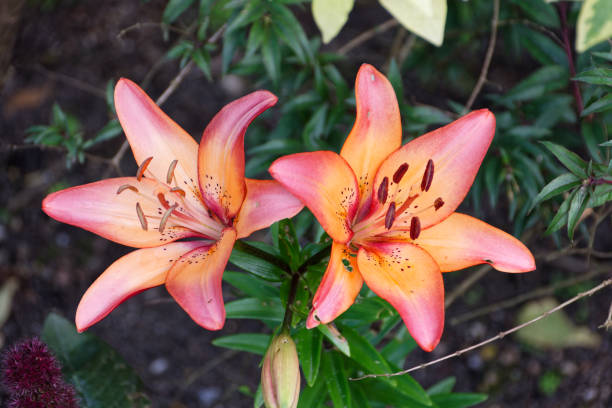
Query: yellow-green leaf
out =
(425, 18)
(594, 23)
(330, 16)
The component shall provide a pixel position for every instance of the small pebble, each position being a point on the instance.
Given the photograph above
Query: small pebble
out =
(158, 366)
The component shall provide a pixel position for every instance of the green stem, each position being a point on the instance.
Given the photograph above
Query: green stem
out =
(295, 280)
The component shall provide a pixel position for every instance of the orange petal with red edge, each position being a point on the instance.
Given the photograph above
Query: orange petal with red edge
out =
(97, 207)
(377, 131)
(326, 185)
(338, 289)
(461, 241)
(127, 276)
(152, 133)
(195, 281)
(266, 202)
(221, 153)
(409, 279)
(442, 165)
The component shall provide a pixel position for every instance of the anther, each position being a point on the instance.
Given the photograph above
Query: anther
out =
(162, 200)
(438, 203)
(143, 166)
(427, 176)
(164, 219)
(126, 187)
(399, 173)
(415, 227)
(383, 190)
(178, 190)
(141, 217)
(170, 173)
(390, 217)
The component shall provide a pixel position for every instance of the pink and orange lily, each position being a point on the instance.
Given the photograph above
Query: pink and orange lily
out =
(390, 210)
(180, 191)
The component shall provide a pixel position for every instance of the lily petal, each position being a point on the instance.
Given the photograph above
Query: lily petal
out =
(326, 184)
(152, 133)
(409, 279)
(98, 208)
(377, 131)
(221, 153)
(266, 202)
(338, 289)
(442, 166)
(127, 276)
(461, 241)
(195, 281)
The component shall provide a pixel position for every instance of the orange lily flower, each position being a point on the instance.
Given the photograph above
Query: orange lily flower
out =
(180, 191)
(390, 210)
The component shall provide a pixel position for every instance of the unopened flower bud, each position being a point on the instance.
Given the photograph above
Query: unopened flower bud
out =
(280, 375)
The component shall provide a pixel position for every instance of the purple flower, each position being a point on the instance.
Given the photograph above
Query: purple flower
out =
(33, 377)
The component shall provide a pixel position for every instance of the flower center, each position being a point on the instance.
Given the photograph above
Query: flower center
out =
(173, 210)
(398, 207)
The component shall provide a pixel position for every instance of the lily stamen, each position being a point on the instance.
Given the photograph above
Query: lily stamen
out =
(170, 173)
(178, 190)
(427, 176)
(415, 228)
(390, 217)
(383, 190)
(143, 166)
(124, 187)
(399, 173)
(141, 217)
(164, 219)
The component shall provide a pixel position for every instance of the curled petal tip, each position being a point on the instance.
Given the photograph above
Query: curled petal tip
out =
(312, 321)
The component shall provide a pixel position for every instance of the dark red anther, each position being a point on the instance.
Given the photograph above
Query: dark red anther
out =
(438, 203)
(399, 173)
(427, 176)
(390, 217)
(415, 227)
(383, 190)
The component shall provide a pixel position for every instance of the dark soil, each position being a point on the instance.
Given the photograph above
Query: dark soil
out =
(67, 55)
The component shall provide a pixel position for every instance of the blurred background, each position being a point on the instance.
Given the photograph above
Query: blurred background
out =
(60, 59)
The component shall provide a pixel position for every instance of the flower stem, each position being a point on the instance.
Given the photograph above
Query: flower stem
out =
(295, 280)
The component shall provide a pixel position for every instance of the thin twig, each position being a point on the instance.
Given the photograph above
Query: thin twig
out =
(146, 24)
(501, 335)
(515, 300)
(562, 7)
(534, 26)
(75, 83)
(487, 61)
(366, 35)
(608, 323)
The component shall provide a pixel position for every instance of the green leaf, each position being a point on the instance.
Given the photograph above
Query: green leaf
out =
(541, 82)
(252, 11)
(333, 335)
(202, 60)
(269, 310)
(425, 18)
(595, 76)
(255, 343)
(174, 9)
(557, 186)
(458, 400)
(110, 130)
(560, 218)
(600, 105)
(251, 285)
(594, 23)
(569, 159)
(606, 144)
(539, 11)
(256, 265)
(593, 134)
(330, 16)
(98, 372)
(364, 354)
(271, 55)
(442, 387)
(336, 380)
(577, 207)
(315, 396)
(309, 344)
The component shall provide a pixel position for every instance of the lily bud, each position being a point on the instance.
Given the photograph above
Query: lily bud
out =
(280, 374)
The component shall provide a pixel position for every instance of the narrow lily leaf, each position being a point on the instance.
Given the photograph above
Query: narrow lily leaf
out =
(174, 9)
(576, 209)
(269, 310)
(569, 159)
(251, 285)
(330, 16)
(255, 343)
(599, 105)
(557, 186)
(364, 354)
(593, 134)
(425, 18)
(98, 372)
(560, 218)
(333, 335)
(336, 380)
(313, 396)
(606, 144)
(594, 24)
(595, 76)
(309, 344)
(255, 265)
(442, 387)
(458, 399)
